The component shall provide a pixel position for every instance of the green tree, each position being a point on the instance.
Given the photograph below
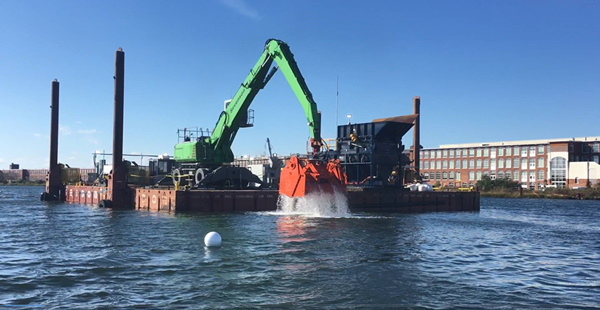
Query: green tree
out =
(487, 184)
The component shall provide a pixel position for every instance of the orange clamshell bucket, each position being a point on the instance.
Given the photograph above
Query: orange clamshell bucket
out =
(304, 176)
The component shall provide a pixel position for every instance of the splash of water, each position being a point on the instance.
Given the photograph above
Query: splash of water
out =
(315, 204)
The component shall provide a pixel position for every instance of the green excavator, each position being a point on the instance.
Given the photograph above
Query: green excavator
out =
(205, 159)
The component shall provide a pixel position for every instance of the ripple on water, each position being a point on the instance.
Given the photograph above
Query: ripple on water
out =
(66, 256)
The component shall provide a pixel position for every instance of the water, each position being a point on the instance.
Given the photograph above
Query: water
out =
(513, 254)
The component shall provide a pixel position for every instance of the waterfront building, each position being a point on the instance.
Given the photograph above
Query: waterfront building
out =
(535, 164)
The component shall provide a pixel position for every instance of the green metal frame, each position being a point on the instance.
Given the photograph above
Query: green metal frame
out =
(216, 150)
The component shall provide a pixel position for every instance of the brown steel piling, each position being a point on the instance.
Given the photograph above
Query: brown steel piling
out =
(54, 186)
(117, 183)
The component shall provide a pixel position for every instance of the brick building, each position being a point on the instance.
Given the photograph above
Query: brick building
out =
(569, 163)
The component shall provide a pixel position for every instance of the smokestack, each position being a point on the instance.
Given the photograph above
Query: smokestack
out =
(417, 135)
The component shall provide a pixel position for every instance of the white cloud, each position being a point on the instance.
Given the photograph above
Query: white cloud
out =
(242, 8)
(91, 140)
(87, 131)
(37, 135)
(64, 130)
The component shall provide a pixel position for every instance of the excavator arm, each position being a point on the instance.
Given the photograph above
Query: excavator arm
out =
(230, 119)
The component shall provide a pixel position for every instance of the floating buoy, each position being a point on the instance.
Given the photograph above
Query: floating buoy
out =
(212, 239)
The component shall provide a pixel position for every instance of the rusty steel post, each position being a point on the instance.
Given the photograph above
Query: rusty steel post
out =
(117, 183)
(417, 136)
(53, 181)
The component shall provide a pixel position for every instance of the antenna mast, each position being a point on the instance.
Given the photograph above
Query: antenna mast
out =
(337, 94)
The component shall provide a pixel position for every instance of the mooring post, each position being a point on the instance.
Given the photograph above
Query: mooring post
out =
(417, 136)
(117, 184)
(54, 186)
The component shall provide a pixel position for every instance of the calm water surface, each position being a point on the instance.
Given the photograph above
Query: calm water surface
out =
(513, 254)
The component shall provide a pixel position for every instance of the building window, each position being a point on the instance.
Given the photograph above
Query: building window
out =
(464, 164)
(516, 175)
(451, 153)
(595, 147)
(451, 164)
(596, 159)
(500, 175)
(445, 153)
(421, 165)
(471, 164)
(438, 164)
(585, 148)
(437, 175)
(457, 176)
(479, 164)
(451, 184)
(508, 176)
(571, 147)
(558, 172)
(493, 152)
(531, 176)
(445, 164)
(540, 149)
(451, 175)
(438, 154)
(432, 154)
(523, 164)
(516, 163)
(471, 152)
(492, 164)
(532, 151)
(478, 175)
(523, 151)
(540, 162)
(523, 176)
(516, 150)
(500, 151)
(457, 164)
(425, 165)
(508, 151)
(486, 163)
(486, 152)
(426, 175)
(500, 163)
(471, 175)
(540, 174)
(445, 175)
(532, 163)
(508, 163)
(425, 154)
(478, 152)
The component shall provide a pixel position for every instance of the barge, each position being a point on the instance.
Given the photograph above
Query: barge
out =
(372, 154)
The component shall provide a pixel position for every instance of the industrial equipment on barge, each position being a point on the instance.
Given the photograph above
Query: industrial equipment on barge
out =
(204, 159)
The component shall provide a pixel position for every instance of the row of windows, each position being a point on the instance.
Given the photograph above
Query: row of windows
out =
(587, 147)
(522, 176)
(485, 163)
(524, 151)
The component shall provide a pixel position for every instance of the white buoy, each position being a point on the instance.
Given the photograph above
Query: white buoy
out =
(212, 239)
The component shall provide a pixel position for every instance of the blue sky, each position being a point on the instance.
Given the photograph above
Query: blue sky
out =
(485, 70)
